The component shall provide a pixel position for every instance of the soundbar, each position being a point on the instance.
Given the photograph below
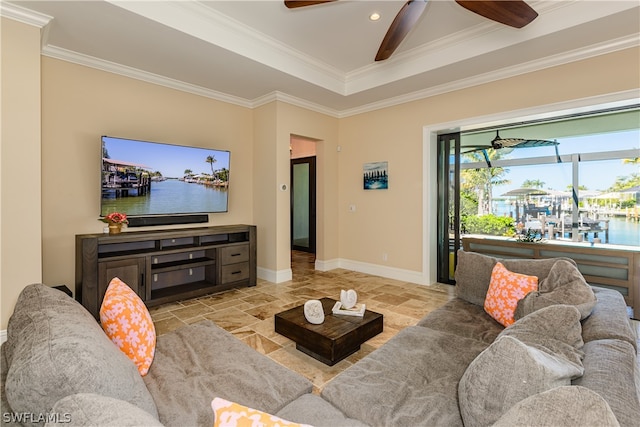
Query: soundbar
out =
(145, 221)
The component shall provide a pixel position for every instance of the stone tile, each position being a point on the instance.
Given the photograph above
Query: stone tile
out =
(231, 319)
(317, 372)
(191, 310)
(168, 325)
(391, 299)
(261, 344)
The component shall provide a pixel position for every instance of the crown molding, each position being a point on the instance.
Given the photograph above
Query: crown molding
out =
(298, 102)
(134, 73)
(24, 15)
(548, 62)
(532, 66)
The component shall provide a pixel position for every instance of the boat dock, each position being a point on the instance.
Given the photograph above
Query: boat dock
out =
(124, 179)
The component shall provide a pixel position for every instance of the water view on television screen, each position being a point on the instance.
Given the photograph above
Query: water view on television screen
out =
(148, 178)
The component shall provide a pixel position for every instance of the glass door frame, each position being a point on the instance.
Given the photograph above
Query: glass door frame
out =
(448, 206)
(311, 161)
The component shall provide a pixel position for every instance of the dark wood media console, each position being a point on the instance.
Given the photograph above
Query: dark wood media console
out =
(167, 265)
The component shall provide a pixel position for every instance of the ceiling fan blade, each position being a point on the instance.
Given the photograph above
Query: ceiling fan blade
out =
(292, 4)
(400, 27)
(515, 13)
(498, 142)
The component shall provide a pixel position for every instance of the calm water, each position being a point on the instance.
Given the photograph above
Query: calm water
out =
(621, 230)
(169, 197)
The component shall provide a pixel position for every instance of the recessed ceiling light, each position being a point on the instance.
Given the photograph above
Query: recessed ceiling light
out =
(374, 16)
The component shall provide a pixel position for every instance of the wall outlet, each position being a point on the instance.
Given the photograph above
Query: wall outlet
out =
(352, 208)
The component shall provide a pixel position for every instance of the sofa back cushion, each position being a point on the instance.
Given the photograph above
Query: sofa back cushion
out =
(564, 285)
(473, 272)
(56, 349)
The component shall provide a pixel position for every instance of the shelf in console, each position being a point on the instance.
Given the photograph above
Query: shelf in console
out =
(188, 290)
(181, 264)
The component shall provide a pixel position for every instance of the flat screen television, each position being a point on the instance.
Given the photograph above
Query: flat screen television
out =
(143, 178)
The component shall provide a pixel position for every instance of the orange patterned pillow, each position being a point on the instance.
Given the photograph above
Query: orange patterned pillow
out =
(505, 290)
(231, 414)
(127, 322)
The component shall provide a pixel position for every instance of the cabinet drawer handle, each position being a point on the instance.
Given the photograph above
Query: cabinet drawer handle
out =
(236, 254)
(236, 272)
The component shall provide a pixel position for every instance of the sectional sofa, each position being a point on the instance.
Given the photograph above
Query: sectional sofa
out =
(570, 358)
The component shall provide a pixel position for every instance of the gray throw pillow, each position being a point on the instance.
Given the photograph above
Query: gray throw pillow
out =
(568, 406)
(88, 409)
(507, 372)
(536, 353)
(564, 285)
(555, 329)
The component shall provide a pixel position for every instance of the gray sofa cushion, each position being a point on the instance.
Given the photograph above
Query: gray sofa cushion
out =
(537, 353)
(609, 367)
(473, 272)
(410, 381)
(313, 410)
(88, 409)
(464, 319)
(5, 408)
(56, 349)
(567, 406)
(608, 319)
(564, 285)
(198, 362)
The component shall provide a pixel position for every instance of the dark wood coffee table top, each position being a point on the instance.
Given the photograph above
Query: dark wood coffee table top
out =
(336, 338)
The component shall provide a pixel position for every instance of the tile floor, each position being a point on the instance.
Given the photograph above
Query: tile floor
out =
(248, 313)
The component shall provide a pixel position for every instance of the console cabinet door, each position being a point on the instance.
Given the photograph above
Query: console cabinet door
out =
(130, 271)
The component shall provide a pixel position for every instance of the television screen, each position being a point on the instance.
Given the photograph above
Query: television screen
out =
(143, 178)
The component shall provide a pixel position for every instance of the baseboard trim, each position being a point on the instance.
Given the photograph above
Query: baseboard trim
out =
(359, 266)
(275, 276)
(331, 264)
(383, 271)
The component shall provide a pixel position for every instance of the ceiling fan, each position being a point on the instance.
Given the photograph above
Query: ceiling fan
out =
(515, 13)
(499, 143)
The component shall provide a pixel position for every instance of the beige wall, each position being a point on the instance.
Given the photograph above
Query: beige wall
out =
(20, 173)
(79, 104)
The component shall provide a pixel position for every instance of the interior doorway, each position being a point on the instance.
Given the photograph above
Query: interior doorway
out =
(303, 195)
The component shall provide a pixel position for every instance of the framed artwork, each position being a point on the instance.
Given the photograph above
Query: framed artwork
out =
(376, 176)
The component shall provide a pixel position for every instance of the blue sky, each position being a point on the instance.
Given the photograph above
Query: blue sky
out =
(170, 160)
(596, 175)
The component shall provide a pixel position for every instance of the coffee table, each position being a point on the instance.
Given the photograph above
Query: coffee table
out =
(336, 338)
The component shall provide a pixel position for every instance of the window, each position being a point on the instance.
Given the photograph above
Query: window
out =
(577, 179)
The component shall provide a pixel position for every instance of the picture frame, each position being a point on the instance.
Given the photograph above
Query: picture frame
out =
(375, 176)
